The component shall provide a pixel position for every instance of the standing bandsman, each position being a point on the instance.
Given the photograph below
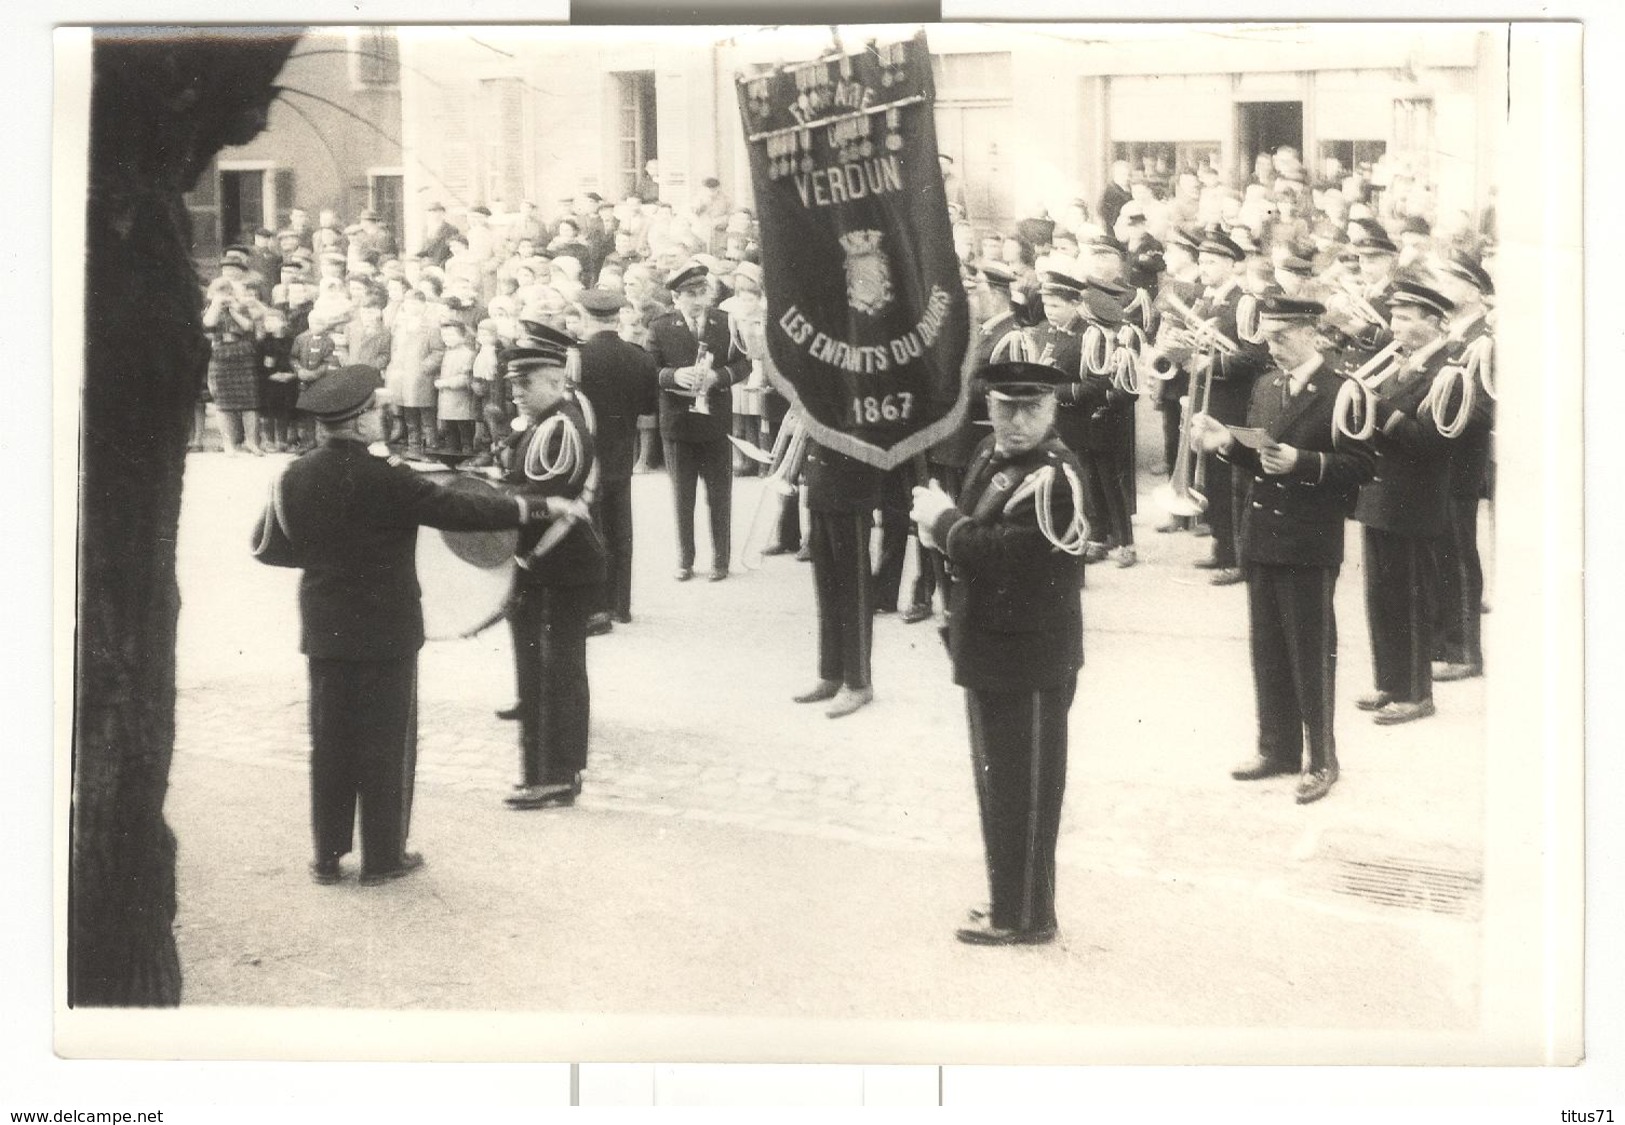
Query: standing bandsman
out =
(1458, 648)
(1403, 508)
(561, 568)
(1233, 373)
(620, 382)
(698, 365)
(1303, 488)
(1015, 636)
(1108, 463)
(1179, 282)
(350, 521)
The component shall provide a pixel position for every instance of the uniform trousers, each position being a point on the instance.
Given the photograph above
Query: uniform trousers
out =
(1106, 497)
(839, 544)
(363, 750)
(1293, 637)
(930, 566)
(1399, 612)
(614, 504)
(894, 524)
(1457, 636)
(1018, 753)
(688, 462)
(549, 626)
(1225, 499)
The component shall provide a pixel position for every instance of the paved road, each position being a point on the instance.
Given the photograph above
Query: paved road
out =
(696, 743)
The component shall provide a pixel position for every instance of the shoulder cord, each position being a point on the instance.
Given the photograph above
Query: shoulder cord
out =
(556, 450)
(1040, 486)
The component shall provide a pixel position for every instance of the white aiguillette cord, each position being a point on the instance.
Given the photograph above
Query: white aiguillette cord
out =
(1040, 486)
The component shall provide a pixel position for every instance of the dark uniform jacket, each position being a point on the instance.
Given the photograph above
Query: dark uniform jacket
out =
(1296, 518)
(672, 345)
(578, 558)
(838, 483)
(620, 381)
(1015, 621)
(351, 522)
(1409, 493)
(1080, 402)
(1233, 374)
(1145, 265)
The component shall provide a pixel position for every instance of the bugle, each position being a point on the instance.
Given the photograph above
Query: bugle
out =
(1182, 494)
(1208, 337)
(1354, 413)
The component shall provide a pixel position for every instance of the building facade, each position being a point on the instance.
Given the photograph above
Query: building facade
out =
(1032, 115)
(332, 141)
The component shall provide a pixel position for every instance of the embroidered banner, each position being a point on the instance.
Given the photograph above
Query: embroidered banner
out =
(866, 317)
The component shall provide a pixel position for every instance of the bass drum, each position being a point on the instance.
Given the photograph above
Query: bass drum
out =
(466, 576)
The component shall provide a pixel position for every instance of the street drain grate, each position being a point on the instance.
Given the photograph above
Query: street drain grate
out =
(1408, 885)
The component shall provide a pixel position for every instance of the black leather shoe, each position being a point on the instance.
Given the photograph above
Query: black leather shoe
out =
(410, 862)
(554, 795)
(1260, 767)
(985, 932)
(684, 573)
(1228, 576)
(509, 714)
(804, 555)
(326, 871)
(1315, 784)
(719, 575)
(1392, 714)
(825, 690)
(1207, 563)
(599, 624)
(621, 618)
(1376, 701)
(915, 614)
(775, 549)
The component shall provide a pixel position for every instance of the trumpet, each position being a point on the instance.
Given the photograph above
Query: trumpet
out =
(778, 487)
(1354, 413)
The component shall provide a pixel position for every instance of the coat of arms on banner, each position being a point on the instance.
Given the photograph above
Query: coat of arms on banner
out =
(868, 273)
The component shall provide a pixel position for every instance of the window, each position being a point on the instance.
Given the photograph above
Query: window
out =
(375, 59)
(386, 194)
(502, 138)
(1351, 156)
(972, 77)
(1161, 162)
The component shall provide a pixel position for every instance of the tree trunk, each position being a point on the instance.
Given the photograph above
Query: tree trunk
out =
(161, 106)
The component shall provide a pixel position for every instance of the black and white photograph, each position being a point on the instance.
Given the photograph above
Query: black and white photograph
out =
(950, 543)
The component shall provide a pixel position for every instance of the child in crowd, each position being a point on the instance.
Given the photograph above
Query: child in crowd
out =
(489, 415)
(414, 363)
(455, 404)
(316, 351)
(280, 387)
(368, 341)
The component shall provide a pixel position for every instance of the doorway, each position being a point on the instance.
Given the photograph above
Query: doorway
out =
(1262, 128)
(242, 205)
